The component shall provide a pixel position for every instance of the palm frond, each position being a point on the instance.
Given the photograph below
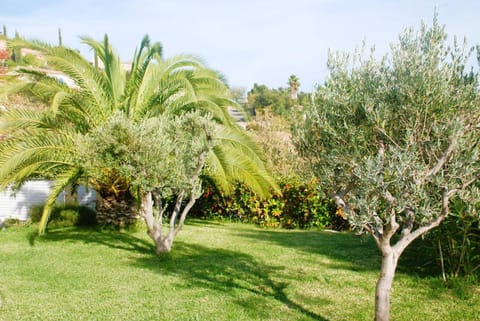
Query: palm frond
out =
(30, 155)
(236, 138)
(115, 75)
(229, 166)
(236, 158)
(59, 185)
(90, 81)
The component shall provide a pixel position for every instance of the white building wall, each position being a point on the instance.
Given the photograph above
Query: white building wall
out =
(16, 205)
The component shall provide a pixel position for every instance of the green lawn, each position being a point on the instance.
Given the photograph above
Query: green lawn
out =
(215, 272)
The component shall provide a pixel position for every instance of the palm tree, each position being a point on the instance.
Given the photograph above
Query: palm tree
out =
(294, 84)
(44, 144)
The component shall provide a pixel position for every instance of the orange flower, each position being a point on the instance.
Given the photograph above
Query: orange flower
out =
(340, 212)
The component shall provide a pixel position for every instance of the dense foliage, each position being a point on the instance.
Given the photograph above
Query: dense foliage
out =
(300, 205)
(273, 135)
(158, 154)
(456, 242)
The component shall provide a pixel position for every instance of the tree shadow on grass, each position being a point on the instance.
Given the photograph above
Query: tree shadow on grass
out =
(351, 252)
(225, 271)
(200, 222)
(360, 253)
(218, 269)
(111, 239)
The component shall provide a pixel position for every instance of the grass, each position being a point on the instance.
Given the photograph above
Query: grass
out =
(214, 272)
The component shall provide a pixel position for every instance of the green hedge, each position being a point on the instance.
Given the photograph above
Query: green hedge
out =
(65, 215)
(301, 205)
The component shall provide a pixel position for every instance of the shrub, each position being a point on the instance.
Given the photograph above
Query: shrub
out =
(452, 249)
(301, 205)
(65, 215)
(12, 222)
(272, 133)
(457, 241)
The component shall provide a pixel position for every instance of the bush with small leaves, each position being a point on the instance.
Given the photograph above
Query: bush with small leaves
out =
(65, 215)
(300, 205)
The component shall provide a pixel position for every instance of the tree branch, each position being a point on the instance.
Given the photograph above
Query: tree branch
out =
(161, 209)
(342, 191)
(464, 185)
(176, 210)
(193, 180)
(391, 227)
(405, 240)
(339, 201)
(441, 162)
(382, 131)
(392, 201)
(408, 225)
(374, 233)
(144, 211)
(185, 211)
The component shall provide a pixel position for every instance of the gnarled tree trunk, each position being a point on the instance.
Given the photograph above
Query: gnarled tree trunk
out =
(163, 239)
(163, 242)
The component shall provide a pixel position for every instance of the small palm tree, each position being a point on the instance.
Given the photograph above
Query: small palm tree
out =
(45, 144)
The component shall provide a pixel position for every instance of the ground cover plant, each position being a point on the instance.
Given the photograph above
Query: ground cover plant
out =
(217, 272)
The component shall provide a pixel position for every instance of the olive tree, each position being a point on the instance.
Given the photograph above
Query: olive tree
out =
(393, 139)
(160, 159)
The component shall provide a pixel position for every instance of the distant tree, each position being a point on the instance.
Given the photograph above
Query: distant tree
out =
(239, 95)
(16, 51)
(5, 31)
(294, 84)
(394, 140)
(261, 97)
(258, 97)
(60, 42)
(16, 55)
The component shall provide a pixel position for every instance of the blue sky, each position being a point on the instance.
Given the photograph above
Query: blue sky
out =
(262, 41)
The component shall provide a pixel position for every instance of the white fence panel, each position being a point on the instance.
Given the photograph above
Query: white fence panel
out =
(16, 205)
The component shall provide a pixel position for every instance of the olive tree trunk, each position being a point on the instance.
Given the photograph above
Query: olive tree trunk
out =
(383, 235)
(163, 238)
(384, 284)
(391, 254)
